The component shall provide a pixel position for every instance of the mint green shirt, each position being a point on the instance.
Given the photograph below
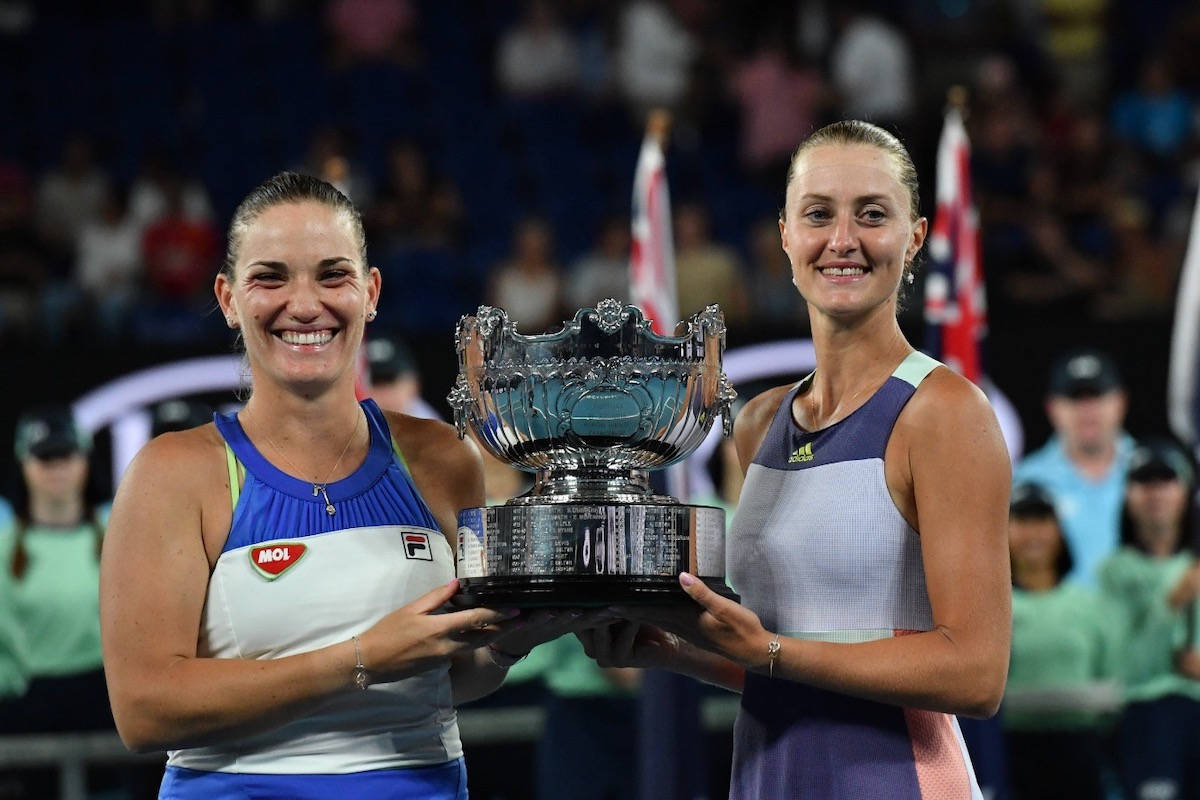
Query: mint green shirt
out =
(1062, 638)
(14, 660)
(566, 670)
(57, 601)
(1139, 584)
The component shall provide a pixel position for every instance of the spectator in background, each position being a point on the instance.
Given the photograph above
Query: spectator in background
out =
(373, 30)
(395, 381)
(529, 285)
(871, 67)
(68, 197)
(330, 159)
(180, 253)
(1084, 463)
(654, 57)
(603, 271)
(1061, 675)
(1155, 580)
(414, 207)
(24, 262)
(1146, 264)
(1157, 116)
(706, 272)
(772, 304)
(538, 56)
(1049, 273)
(50, 541)
(778, 100)
(109, 267)
(179, 415)
(149, 195)
(1074, 37)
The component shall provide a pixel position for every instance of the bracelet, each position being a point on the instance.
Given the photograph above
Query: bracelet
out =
(773, 648)
(360, 670)
(505, 660)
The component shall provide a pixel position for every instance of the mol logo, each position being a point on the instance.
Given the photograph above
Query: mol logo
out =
(271, 560)
(416, 545)
(801, 455)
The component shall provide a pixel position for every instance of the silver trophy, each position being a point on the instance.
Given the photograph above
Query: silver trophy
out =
(589, 409)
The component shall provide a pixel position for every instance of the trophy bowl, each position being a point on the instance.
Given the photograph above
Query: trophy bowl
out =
(590, 409)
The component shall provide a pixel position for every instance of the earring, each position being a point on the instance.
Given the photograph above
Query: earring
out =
(231, 322)
(909, 278)
(371, 315)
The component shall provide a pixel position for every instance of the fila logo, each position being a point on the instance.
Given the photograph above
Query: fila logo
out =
(271, 560)
(801, 455)
(416, 545)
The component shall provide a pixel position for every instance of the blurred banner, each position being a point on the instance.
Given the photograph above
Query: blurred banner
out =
(955, 307)
(1183, 404)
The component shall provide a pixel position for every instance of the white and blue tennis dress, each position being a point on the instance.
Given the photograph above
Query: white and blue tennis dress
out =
(293, 578)
(819, 551)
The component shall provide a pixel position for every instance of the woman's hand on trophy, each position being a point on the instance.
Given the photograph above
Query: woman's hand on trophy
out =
(622, 643)
(523, 633)
(415, 638)
(714, 623)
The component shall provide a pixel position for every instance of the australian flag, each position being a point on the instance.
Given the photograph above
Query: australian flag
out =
(955, 305)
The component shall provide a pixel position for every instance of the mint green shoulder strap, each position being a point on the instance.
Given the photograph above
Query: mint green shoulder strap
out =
(915, 368)
(237, 475)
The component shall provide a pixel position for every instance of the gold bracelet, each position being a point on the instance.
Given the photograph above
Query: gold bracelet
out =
(360, 670)
(773, 648)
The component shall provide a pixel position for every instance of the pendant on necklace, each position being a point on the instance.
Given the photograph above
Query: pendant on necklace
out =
(329, 509)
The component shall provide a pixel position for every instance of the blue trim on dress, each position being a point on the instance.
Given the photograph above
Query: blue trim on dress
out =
(442, 782)
(274, 505)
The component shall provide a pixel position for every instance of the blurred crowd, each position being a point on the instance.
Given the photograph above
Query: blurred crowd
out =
(491, 147)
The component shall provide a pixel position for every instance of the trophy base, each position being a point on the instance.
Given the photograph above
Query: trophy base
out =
(578, 591)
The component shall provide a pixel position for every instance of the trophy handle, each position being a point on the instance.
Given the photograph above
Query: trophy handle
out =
(460, 400)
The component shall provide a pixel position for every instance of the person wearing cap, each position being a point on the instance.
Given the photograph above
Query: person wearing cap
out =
(1061, 691)
(1083, 465)
(179, 414)
(1154, 578)
(395, 382)
(50, 542)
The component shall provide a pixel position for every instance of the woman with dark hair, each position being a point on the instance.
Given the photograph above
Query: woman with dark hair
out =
(1154, 578)
(273, 587)
(1061, 689)
(51, 553)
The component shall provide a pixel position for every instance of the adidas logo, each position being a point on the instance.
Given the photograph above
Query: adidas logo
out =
(801, 454)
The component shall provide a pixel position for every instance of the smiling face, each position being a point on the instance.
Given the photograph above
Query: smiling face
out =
(300, 295)
(849, 228)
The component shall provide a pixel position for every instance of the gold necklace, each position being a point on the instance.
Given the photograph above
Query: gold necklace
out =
(319, 488)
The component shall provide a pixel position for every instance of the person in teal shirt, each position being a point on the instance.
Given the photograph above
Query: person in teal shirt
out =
(1061, 690)
(50, 541)
(1155, 579)
(1084, 464)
